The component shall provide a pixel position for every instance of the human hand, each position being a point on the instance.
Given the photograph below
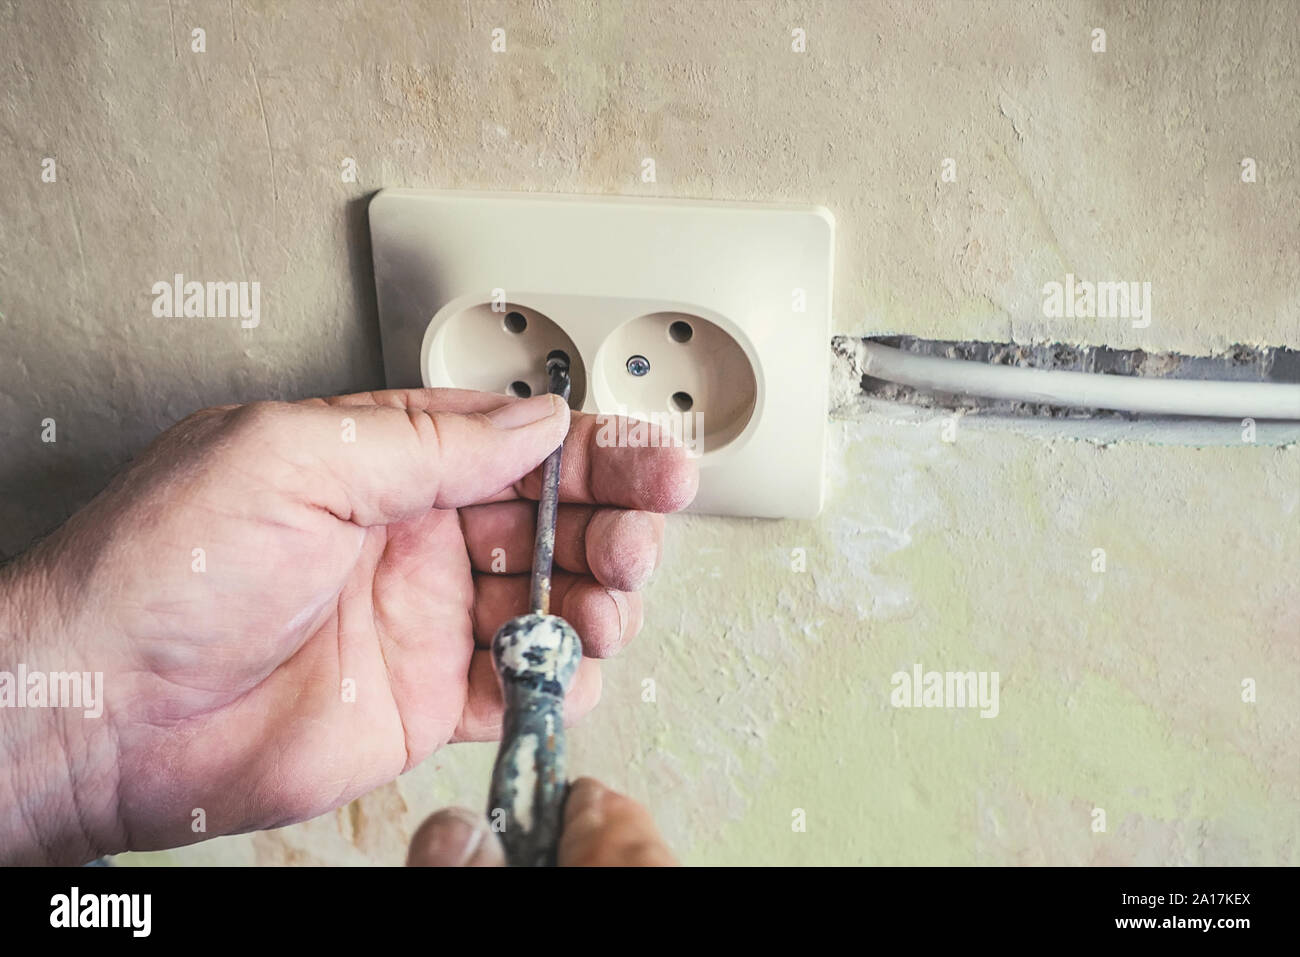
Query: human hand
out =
(253, 566)
(602, 828)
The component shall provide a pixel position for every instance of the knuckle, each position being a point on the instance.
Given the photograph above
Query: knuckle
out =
(258, 428)
(429, 428)
(257, 417)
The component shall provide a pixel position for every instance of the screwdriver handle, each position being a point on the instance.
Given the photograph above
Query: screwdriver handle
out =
(537, 657)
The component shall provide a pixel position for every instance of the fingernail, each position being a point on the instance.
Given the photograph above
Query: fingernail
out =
(585, 807)
(646, 530)
(620, 606)
(513, 415)
(452, 840)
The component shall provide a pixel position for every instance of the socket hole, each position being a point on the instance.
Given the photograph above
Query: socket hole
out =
(680, 332)
(681, 401)
(515, 322)
(520, 389)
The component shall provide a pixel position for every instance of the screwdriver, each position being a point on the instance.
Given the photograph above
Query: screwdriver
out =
(536, 656)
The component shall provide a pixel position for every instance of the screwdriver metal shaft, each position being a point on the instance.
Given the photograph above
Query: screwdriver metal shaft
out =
(536, 656)
(557, 371)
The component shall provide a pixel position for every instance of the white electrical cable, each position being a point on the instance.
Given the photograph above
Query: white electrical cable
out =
(1088, 390)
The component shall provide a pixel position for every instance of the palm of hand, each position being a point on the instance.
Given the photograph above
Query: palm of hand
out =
(307, 653)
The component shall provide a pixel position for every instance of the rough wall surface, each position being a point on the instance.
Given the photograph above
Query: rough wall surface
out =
(1120, 690)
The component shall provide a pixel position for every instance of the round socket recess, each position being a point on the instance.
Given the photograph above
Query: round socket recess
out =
(675, 362)
(493, 351)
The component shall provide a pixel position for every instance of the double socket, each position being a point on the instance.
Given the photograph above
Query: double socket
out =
(710, 321)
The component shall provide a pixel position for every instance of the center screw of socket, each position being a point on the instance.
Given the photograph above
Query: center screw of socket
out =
(638, 365)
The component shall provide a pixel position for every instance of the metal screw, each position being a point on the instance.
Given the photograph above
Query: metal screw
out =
(638, 365)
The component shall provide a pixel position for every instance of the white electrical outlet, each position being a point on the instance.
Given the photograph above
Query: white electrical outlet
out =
(710, 317)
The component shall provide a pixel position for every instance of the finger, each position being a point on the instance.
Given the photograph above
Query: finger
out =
(500, 536)
(604, 618)
(421, 400)
(656, 477)
(485, 706)
(605, 461)
(375, 465)
(603, 828)
(455, 837)
(621, 548)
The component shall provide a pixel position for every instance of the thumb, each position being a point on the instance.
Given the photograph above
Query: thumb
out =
(373, 465)
(603, 828)
(455, 837)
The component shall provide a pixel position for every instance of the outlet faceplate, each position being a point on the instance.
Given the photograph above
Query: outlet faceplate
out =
(706, 317)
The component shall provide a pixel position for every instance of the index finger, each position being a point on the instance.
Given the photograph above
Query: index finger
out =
(655, 476)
